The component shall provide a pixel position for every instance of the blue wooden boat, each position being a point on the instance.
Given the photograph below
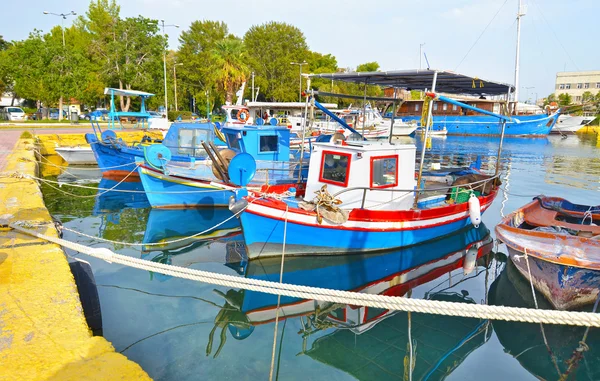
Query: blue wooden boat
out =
(562, 241)
(183, 140)
(175, 185)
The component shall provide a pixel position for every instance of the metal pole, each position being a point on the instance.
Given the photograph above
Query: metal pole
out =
(300, 86)
(425, 137)
(364, 108)
(519, 15)
(500, 148)
(252, 97)
(165, 68)
(393, 116)
(420, 54)
(175, 85)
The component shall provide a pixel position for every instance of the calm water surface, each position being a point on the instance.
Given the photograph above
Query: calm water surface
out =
(183, 330)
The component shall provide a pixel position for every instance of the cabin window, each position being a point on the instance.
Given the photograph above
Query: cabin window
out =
(233, 141)
(335, 168)
(185, 142)
(417, 107)
(384, 171)
(268, 143)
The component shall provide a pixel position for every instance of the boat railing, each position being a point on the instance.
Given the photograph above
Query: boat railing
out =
(473, 185)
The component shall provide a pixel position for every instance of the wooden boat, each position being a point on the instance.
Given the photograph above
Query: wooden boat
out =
(563, 248)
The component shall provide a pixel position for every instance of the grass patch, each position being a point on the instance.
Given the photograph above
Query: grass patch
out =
(26, 135)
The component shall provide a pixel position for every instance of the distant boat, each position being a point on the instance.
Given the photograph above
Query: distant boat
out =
(77, 155)
(571, 123)
(562, 241)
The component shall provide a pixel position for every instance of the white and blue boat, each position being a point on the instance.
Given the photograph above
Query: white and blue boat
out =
(261, 152)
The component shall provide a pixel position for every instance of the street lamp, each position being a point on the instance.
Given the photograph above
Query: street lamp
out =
(527, 92)
(165, 62)
(62, 28)
(175, 82)
(300, 87)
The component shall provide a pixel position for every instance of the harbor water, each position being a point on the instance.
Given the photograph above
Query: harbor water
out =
(183, 330)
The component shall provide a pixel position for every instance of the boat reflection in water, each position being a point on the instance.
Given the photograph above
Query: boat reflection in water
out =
(353, 338)
(127, 194)
(565, 357)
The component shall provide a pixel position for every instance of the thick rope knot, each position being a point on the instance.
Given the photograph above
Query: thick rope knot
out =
(326, 206)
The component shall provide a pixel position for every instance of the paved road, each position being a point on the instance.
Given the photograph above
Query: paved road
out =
(9, 137)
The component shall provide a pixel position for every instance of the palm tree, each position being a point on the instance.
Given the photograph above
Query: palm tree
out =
(231, 69)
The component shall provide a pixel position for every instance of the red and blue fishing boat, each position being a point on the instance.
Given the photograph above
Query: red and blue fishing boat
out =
(556, 245)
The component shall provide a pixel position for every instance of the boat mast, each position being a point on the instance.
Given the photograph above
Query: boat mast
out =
(520, 13)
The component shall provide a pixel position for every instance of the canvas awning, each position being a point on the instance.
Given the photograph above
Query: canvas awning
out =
(447, 81)
(126, 93)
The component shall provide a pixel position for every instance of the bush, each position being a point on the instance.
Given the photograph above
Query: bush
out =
(185, 115)
(26, 135)
(29, 110)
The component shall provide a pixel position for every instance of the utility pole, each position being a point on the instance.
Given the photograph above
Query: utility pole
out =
(300, 86)
(175, 83)
(165, 63)
(62, 28)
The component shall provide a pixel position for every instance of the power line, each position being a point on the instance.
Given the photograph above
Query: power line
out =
(478, 38)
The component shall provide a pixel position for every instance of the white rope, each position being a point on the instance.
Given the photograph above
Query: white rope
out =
(335, 296)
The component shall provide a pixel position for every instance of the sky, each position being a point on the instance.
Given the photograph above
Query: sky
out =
(556, 35)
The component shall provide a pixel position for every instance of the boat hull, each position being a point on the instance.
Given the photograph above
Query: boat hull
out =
(114, 160)
(565, 287)
(168, 191)
(77, 156)
(570, 124)
(526, 125)
(267, 226)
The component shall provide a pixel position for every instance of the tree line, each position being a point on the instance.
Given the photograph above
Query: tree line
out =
(102, 49)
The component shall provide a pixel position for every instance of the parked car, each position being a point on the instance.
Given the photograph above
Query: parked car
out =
(13, 113)
(53, 113)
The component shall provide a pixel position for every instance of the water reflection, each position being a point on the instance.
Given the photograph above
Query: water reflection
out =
(366, 342)
(565, 357)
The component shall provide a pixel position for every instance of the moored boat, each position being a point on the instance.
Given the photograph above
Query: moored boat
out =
(571, 123)
(558, 243)
(77, 155)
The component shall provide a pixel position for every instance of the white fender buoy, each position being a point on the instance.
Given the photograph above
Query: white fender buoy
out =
(474, 210)
(470, 259)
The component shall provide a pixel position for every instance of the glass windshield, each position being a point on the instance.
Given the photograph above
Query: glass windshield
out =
(13, 109)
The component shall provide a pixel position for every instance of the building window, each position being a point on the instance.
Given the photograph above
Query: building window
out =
(567, 86)
(335, 168)
(434, 106)
(417, 107)
(445, 106)
(384, 171)
(454, 107)
(586, 85)
(561, 86)
(578, 99)
(580, 85)
(598, 85)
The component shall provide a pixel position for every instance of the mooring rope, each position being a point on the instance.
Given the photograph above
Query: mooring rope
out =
(480, 311)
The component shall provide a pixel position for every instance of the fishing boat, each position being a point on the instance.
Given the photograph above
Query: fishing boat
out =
(360, 196)
(548, 351)
(76, 155)
(571, 123)
(556, 246)
(261, 152)
(388, 273)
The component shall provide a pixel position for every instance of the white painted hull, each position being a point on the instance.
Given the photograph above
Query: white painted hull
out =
(403, 129)
(77, 155)
(568, 123)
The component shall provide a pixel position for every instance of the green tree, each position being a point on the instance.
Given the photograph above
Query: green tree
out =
(368, 66)
(197, 75)
(231, 70)
(564, 99)
(549, 99)
(271, 48)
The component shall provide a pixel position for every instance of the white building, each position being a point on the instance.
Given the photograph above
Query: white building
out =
(575, 83)
(7, 100)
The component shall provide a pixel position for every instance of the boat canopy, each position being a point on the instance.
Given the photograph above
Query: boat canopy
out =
(126, 93)
(447, 81)
(285, 105)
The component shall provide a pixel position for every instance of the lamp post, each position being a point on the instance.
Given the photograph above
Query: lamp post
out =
(175, 83)
(420, 53)
(165, 62)
(527, 92)
(300, 87)
(62, 28)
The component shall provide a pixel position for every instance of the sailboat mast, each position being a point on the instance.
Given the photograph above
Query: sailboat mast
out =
(520, 13)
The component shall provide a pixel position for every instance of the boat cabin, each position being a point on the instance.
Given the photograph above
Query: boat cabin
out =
(380, 173)
(285, 113)
(186, 138)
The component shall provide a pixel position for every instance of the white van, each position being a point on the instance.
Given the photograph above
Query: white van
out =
(13, 113)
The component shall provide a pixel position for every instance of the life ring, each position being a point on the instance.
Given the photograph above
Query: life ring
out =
(243, 115)
(361, 118)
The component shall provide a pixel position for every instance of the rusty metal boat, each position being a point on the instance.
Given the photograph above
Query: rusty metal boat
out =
(556, 245)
